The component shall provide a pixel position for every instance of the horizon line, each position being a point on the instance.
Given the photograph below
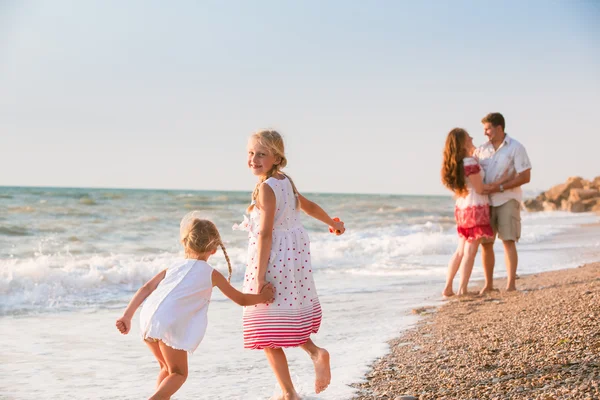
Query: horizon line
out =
(207, 190)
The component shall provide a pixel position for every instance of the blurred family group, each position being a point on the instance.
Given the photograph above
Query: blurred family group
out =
(486, 181)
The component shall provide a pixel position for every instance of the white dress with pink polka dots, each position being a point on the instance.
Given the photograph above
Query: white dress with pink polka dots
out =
(296, 312)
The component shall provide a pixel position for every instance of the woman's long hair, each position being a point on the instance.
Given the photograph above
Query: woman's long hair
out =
(453, 171)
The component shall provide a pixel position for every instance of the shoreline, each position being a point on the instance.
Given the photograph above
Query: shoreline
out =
(542, 341)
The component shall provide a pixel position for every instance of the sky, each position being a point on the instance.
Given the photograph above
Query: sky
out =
(148, 94)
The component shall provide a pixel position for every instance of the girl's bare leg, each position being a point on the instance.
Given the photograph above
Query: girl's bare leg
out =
(177, 366)
(466, 265)
(278, 362)
(320, 358)
(164, 371)
(453, 266)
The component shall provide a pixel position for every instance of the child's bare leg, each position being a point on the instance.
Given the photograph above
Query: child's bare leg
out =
(320, 358)
(466, 265)
(164, 371)
(453, 267)
(177, 366)
(278, 362)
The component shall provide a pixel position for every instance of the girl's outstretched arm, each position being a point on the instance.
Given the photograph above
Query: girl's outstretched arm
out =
(315, 211)
(124, 323)
(243, 299)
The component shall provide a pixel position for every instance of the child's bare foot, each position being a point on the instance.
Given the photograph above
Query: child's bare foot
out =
(322, 370)
(289, 396)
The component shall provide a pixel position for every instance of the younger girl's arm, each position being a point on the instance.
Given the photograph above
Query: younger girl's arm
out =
(243, 299)
(124, 323)
(315, 211)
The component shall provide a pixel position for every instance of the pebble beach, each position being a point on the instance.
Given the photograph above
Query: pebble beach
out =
(541, 342)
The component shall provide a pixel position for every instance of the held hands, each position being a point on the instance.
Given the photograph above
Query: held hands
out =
(491, 188)
(267, 293)
(508, 175)
(123, 325)
(337, 227)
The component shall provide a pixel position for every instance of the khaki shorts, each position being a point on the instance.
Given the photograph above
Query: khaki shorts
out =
(506, 221)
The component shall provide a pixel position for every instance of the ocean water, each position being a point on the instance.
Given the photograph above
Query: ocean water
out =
(70, 260)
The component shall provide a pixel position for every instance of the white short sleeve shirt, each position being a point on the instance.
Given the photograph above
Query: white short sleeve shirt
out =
(511, 155)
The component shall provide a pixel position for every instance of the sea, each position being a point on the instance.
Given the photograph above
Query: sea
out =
(71, 259)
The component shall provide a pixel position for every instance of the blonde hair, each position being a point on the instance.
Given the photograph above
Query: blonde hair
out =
(273, 142)
(202, 236)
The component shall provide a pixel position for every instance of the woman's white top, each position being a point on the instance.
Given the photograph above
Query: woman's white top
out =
(176, 312)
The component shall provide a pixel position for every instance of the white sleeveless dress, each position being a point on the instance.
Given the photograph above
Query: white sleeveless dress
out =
(176, 312)
(296, 312)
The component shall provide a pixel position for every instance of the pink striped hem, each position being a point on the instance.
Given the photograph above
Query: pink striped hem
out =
(270, 328)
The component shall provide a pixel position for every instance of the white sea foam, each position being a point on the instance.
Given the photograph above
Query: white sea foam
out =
(61, 279)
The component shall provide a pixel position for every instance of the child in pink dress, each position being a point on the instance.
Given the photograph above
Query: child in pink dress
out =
(279, 254)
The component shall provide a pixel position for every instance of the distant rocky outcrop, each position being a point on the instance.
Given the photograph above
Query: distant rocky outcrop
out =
(575, 195)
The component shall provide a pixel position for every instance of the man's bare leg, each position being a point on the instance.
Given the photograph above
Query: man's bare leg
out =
(511, 259)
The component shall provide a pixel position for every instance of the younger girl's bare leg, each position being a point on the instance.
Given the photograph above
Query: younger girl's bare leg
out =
(177, 366)
(453, 266)
(466, 266)
(164, 371)
(278, 362)
(320, 358)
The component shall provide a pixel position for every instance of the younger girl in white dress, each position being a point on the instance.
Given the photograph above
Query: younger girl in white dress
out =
(279, 254)
(174, 317)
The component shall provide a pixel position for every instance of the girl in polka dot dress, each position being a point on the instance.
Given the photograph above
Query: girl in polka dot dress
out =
(279, 253)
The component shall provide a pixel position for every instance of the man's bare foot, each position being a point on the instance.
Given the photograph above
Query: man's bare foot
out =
(322, 370)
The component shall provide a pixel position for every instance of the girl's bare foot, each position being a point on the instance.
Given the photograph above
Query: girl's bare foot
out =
(447, 293)
(486, 289)
(289, 396)
(322, 370)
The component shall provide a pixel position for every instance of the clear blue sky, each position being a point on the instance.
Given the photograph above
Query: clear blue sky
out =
(149, 94)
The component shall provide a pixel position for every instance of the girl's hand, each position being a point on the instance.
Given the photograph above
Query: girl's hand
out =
(260, 284)
(123, 325)
(267, 293)
(337, 227)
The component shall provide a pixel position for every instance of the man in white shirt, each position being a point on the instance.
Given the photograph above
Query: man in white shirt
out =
(500, 155)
